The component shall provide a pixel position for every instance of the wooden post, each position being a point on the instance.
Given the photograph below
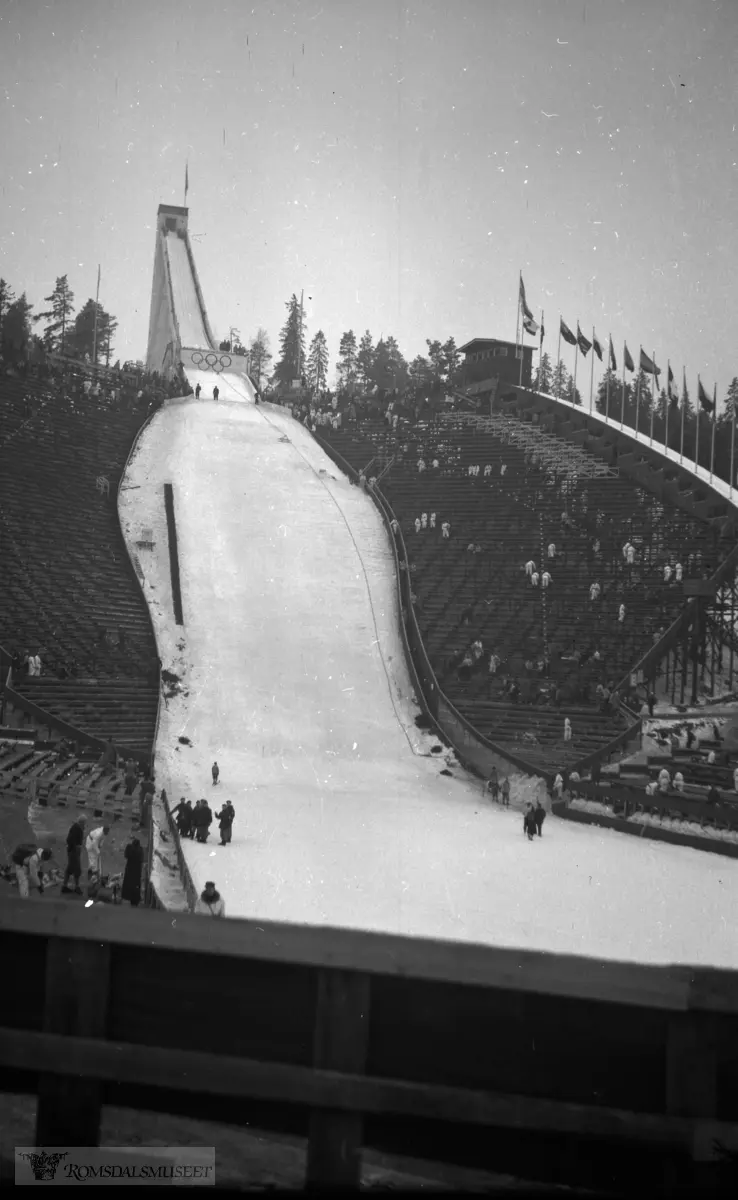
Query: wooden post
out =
(340, 1044)
(691, 1087)
(76, 1004)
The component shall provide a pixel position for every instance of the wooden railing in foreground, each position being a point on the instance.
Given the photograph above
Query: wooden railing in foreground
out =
(556, 1068)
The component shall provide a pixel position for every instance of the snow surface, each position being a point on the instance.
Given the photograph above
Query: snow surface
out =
(192, 330)
(291, 674)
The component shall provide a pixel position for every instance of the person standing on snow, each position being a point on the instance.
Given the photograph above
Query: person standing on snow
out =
(93, 846)
(539, 816)
(529, 822)
(506, 792)
(225, 819)
(75, 839)
(210, 901)
(215, 771)
(202, 819)
(216, 392)
(198, 389)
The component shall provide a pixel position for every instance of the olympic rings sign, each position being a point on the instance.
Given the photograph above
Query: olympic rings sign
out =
(211, 361)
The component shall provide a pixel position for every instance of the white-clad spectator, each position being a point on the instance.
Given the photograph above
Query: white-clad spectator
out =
(552, 550)
(436, 464)
(558, 786)
(470, 470)
(470, 548)
(421, 464)
(545, 579)
(621, 614)
(631, 555)
(711, 758)
(395, 420)
(679, 781)
(594, 591)
(34, 664)
(395, 526)
(735, 780)
(417, 524)
(477, 650)
(503, 468)
(530, 567)
(596, 546)
(433, 520)
(626, 546)
(567, 729)
(93, 846)
(493, 664)
(651, 788)
(446, 529)
(679, 572)
(535, 577)
(476, 470)
(667, 574)
(664, 780)
(477, 549)
(424, 520)
(487, 470)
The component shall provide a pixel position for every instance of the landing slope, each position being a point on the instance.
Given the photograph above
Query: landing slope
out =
(292, 677)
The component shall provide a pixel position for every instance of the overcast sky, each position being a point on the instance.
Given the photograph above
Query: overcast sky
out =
(399, 161)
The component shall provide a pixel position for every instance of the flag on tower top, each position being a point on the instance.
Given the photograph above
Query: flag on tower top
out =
(596, 345)
(566, 332)
(627, 360)
(187, 180)
(671, 390)
(613, 360)
(529, 325)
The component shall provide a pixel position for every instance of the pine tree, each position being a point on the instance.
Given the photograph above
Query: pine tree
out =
(542, 380)
(81, 335)
(420, 372)
(105, 335)
(57, 317)
(450, 358)
(259, 356)
(608, 402)
(559, 381)
(347, 367)
(16, 331)
(291, 364)
(396, 364)
(6, 299)
(435, 357)
(365, 359)
(317, 363)
(641, 388)
(731, 399)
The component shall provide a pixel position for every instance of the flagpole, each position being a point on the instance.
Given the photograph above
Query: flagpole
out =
(540, 353)
(638, 394)
(94, 332)
(668, 404)
(653, 381)
(574, 383)
(186, 184)
(607, 378)
(558, 362)
(517, 314)
(699, 414)
(684, 409)
(622, 394)
(714, 422)
(732, 448)
(592, 372)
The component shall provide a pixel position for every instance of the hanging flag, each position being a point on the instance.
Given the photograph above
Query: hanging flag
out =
(596, 345)
(529, 325)
(524, 304)
(706, 402)
(648, 366)
(583, 343)
(613, 360)
(543, 331)
(627, 360)
(566, 332)
(671, 390)
(187, 180)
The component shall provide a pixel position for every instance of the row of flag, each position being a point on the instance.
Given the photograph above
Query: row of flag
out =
(583, 344)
